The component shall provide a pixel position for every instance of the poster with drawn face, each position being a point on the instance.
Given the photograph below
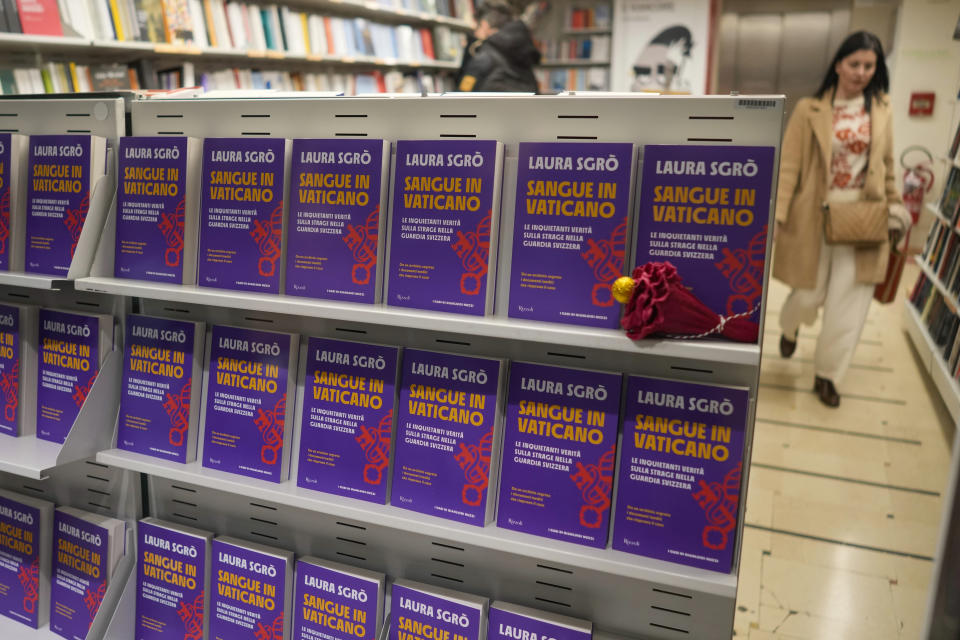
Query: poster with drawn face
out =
(661, 46)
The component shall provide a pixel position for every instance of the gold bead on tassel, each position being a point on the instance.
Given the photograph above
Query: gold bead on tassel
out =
(623, 288)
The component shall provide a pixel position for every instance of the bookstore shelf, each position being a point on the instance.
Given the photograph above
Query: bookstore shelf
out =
(132, 50)
(491, 327)
(574, 62)
(15, 42)
(933, 361)
(935, 210)
(944, 291)
(31, 457)
(489, 537)
(588, 31)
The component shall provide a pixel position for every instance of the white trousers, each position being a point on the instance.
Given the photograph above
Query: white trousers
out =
(845, 305)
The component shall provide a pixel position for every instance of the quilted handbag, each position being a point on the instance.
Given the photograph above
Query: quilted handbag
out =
(862, 223)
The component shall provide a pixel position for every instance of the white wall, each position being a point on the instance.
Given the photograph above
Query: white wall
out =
(925, 57)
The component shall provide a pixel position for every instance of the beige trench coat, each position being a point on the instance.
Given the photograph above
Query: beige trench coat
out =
(804, 174)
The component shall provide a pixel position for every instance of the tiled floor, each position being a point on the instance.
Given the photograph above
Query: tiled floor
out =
(844, 504)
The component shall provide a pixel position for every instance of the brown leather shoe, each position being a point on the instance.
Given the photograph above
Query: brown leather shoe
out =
(826, 392)
(788, 346)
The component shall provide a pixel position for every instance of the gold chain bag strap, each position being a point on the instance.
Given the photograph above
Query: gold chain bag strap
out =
(862, 223)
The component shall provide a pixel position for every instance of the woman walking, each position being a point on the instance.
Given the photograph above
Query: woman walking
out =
(837, 148)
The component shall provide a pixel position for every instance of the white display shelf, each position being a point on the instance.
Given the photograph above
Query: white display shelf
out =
(30, 280)
(492, 327)
(489, 537)
(31, 457)
(928, 271)
(933, 362)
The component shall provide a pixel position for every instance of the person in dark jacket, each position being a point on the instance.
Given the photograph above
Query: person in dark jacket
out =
(503, 55)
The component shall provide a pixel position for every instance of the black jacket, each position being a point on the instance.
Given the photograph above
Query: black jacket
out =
(503, 62)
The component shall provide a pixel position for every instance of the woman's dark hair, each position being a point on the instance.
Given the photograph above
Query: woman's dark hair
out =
(880, 83)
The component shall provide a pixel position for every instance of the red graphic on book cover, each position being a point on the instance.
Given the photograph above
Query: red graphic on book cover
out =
(192, 617)
(171, 227)
(362, 241)
(474, 460)
(74, 220)
(4, 220)
(595, 482)
(267, 236)
(270, 424)
(744, 270)
(92, 600)
(80, 391)
(29, 576)
(719, 501)
(473, 249)
(375, 443)
(10, 386)
(273, 632)
(606, 259)
(177, 407)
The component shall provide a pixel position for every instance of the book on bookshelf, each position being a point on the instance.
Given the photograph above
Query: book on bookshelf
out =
(63, 169)
(89, 546)
(71, 346)
(444, 225)
(27, 548)
(336, 601)
(253, 598)
(13, 174)
(448, 436)
(247, 418)
(156, 216)
(18, 369)
(346, 456)
(160, 396)
(172, 581)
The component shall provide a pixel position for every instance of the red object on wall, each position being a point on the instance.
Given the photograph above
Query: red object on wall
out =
(40, 17)
(921, 104)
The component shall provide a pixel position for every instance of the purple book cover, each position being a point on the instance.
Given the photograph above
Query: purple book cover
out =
(704, 209)
(157, 387)
(79, 577)
(249, 600)
(151, 194)
(58, 199)
(170, 584)
(246, 401)
(443, 212)
(347, 418)
(334, 219)
(334, 605)
(10, 370)
(6, 176)
(570, 230)
(68, 366)
(445, 435)
(678, 491)
(19, 561)
(241, 214)
(508, 625)
(559, 451)
(415, 614)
